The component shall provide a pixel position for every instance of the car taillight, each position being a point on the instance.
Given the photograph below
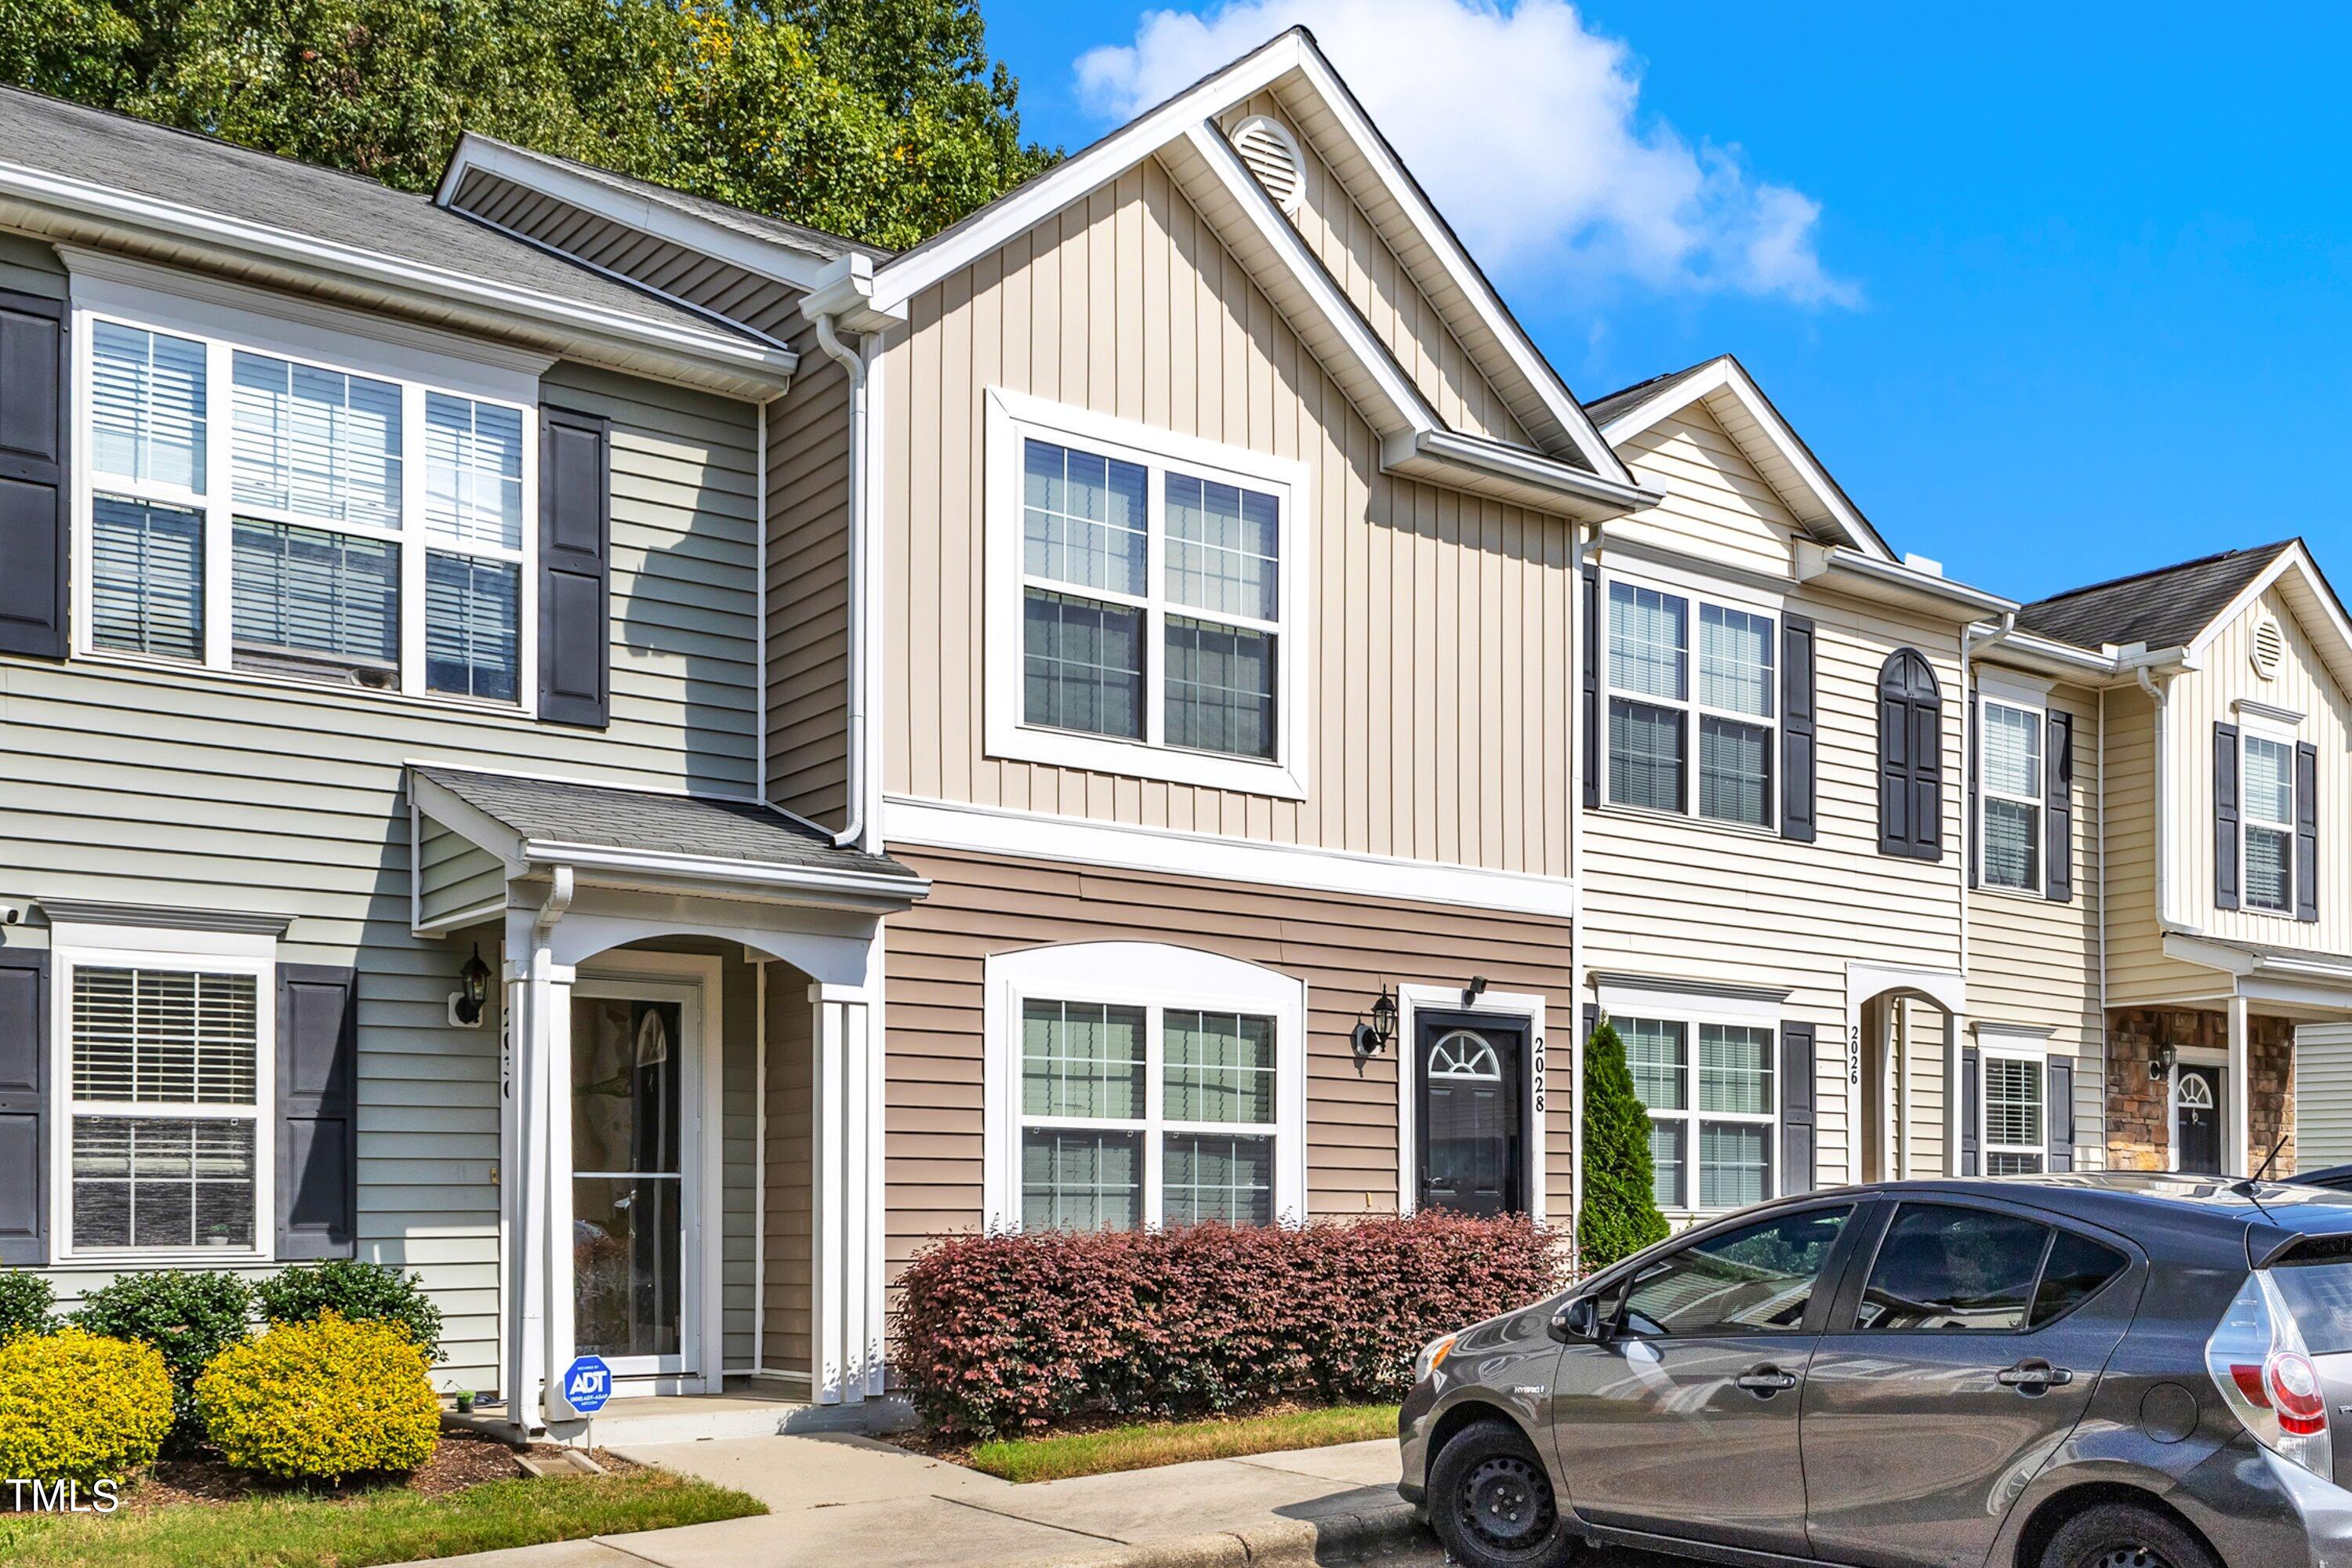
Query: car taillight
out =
(2258, 1361)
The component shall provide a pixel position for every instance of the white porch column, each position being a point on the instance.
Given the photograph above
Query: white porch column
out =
(1955, 1035)
(847, 1299)
(2240, 1161)
(535, 1178)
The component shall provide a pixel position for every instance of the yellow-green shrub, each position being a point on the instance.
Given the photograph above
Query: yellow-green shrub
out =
(77, 1407)
(321, 1401)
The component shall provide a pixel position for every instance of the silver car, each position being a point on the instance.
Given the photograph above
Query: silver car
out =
(2110, 1371)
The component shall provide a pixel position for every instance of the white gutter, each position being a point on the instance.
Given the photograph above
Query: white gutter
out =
(822, 884)
(1817, 560)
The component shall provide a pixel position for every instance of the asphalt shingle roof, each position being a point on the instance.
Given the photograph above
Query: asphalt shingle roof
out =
(192, 170)
(2163, 608)
(1605, 408)
(610, 817)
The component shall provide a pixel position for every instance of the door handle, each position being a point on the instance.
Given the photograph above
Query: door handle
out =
(1766, 1381)
(2033, 1375)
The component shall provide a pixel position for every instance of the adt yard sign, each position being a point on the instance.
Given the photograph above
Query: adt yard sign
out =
(587, 1384)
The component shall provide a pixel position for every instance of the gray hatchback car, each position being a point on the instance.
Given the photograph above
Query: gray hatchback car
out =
(2112, 1371)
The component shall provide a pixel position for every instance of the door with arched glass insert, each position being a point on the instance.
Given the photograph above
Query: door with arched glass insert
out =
(1471, 1123)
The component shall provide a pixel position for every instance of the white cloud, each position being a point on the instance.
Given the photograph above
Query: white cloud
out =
(1525, 126)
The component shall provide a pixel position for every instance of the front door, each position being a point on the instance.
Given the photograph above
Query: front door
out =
(1472, 1126)
(2197, 1120)
(631, 1201)
(1683, 1421)
(1966, 1356)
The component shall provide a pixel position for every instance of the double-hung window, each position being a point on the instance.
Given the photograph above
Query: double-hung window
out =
(2267, 821)
(2015, 1138)
(1709, 1088)
(167, 1071)
(1690, 680)
(2011, 769)
(1141, 592)
(259, 507)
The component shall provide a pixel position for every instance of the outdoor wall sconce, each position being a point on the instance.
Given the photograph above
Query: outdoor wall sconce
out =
(1476, 989)
(2159, 1066)
(1374, 1034)
(466, 1007)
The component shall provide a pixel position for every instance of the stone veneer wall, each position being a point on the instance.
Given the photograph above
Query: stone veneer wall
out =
(2139, 1123)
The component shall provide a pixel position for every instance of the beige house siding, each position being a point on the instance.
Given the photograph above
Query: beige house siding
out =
(1376, 282)
(1437, 627)
(2323, 1098)
(2034, 962)
(2138, 972)
(1715, 503)
(1345, 949)
(808, 588)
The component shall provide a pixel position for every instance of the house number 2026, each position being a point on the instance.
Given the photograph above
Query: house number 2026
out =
(1854, 1056)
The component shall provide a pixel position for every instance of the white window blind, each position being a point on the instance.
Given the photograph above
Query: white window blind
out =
(2009, 770)
(473, 472)
(317, 443)
(147, 406)
(2269, 819)
(146, 1035)
(2013, 1130)
(147, 578)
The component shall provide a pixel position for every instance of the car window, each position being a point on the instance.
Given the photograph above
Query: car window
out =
(1755, 1278)
(2076, 1269)
(2320, 1297)
(1943, 1266)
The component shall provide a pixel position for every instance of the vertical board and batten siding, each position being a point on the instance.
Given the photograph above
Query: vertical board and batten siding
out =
(786, 1303)
(2204, 697)
(1360, 261)
(806, 553)
(183, 787)
(2323, 1096)
(2034, 962)
(1437, 625)
(1345, 949)
(1675, 897)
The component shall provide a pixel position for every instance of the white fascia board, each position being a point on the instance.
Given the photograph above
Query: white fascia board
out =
(1459, 268)
(2293, 561)
(1874, 576)
(991, 227)
(728, 877)
(740, 360)
(771, 260)
(468, 821)
(1515, 473)
(1726, 377)
(1038, 835)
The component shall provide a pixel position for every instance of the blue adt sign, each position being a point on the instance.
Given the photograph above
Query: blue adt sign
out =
(587, 1384)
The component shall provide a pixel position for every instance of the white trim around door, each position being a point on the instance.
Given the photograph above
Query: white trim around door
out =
(1504, 1006)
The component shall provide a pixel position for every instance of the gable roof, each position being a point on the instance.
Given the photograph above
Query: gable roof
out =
(92, 176)
(1764, 437)
(2166, 607)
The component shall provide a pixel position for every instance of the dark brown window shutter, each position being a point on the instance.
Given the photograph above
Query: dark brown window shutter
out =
(2225, 817)
(576, 558)
(24, 1107)
(34, 419)
(1968, 1113)
(1797, 1121)
(1910, 758)
(2306, 831)
(2058, 812)
(1592, 708)
(318, 1111)
(2059, 1084)
(1800, 729)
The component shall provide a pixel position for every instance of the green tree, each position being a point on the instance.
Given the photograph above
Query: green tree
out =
(881, 120)
(1621, 1215)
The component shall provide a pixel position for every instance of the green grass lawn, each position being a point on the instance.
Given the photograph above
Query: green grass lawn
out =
(386, 1526)
(1171, 1443)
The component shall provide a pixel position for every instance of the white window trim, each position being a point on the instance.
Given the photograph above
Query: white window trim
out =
(73, 945)
(1695, 592)
(2254, 726)
(1693, 1011)
(224, 320)
(1155, 977)
(1011, 417)
(1993, 1047)
(1514, 1006)
(2038, 707)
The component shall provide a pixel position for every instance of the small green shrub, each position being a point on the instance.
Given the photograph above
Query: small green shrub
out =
(1621, 1205)
(25, 1302)
(190, 1315)
(76, 1407)
(359, 1293)
(321, 1401)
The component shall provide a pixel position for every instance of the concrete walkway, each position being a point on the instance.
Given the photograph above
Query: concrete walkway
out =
(837, 1498)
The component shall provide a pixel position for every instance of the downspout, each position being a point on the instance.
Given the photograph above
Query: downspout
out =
(1577, 762)
(2156, 694)
(854, 828)
(559, 902)
(2102, 843)
(1955, 1042)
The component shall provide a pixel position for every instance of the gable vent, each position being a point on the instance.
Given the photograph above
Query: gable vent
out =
(2269, 646)
(1272, 155)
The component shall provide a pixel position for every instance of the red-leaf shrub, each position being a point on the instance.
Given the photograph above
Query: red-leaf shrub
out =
(1003, 1333)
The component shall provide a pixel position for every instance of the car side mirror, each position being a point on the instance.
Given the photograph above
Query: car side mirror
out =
(1579, 1322)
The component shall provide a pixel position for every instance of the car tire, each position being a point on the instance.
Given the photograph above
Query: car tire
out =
(1492, 1504)
(2119, 1535)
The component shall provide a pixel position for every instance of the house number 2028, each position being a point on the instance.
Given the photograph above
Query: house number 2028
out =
(1538, 1075)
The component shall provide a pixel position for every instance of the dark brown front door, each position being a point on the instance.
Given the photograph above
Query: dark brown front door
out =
(1471, 1075)
(2196, 1119)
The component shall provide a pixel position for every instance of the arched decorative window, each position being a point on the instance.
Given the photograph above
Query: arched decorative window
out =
(2194, 1092)
(1910, 758)
(1461, 1053)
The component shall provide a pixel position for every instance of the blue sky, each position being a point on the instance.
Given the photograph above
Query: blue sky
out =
(2057, 293)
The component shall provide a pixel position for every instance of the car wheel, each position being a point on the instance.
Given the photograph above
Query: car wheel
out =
(2118, 1535)
(1491, 1503)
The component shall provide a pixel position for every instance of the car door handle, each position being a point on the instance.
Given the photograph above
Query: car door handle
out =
(1764, 1382)
(2033, 1376)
